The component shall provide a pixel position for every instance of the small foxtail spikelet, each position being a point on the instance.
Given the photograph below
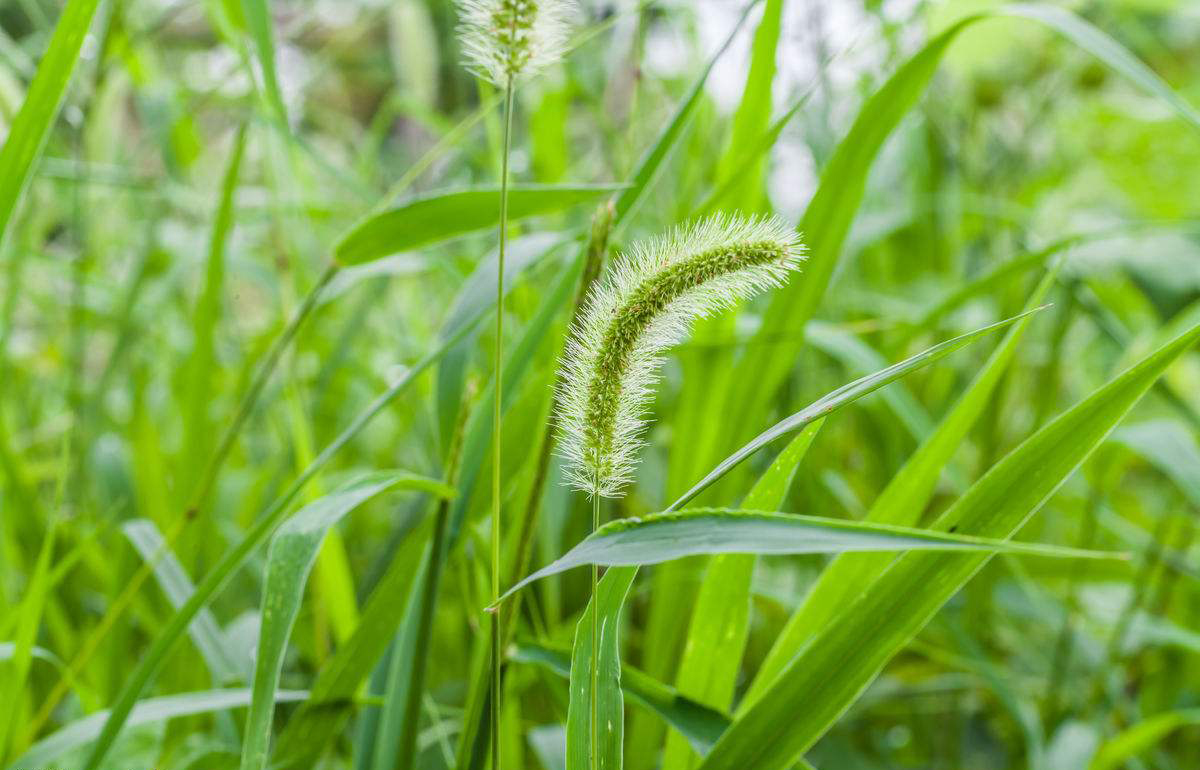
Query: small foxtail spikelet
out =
(645, 304)
(503, 40)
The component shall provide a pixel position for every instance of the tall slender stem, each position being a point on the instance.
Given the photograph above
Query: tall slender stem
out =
(498, 395)
(595, 637)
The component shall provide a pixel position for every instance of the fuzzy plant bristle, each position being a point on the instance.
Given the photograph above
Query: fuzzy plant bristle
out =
(504, 40)
(645, 304)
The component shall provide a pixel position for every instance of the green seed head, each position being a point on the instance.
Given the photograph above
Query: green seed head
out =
(503, 40)
(646, 304)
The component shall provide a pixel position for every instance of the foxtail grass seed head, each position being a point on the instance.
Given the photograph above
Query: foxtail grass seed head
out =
(645, 304)
(508, 39)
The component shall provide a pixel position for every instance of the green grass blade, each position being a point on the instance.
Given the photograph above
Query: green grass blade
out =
(31, 127)
(701, 725)
(442, 216)
(610, 705)
(46, 752)
(652, 163)
(290, 558)
(846, 654)
(662, 537)
(1127, 744)
(901, 502)
(752, 117)
(258, 21)
(720, 625)
(836, 399)
(171, 577)
(202, 359)
(313, 727)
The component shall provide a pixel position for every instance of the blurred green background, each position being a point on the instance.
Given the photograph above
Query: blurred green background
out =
(133, 316)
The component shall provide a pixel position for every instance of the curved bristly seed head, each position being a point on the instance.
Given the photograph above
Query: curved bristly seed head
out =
(503, 40)
(645, 304)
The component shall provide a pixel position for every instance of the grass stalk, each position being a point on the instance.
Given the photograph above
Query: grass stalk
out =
(497, 441)
(595, 670)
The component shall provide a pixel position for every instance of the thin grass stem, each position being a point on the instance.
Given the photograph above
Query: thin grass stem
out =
(497, 439)
(595, 753)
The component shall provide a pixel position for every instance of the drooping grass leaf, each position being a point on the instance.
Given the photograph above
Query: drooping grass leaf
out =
(442, 216)
(662, 537)
(290, 558)
(846, 654)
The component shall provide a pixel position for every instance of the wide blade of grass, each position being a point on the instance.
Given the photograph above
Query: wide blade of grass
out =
(610, 705)
(720, 625)
(290, 558)
(824, 679)
(662, 537)
(46, 752)
(31, 127)
(836, 399)
(442, 216)
(901, 502)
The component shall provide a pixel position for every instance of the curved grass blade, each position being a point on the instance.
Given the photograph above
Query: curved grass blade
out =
(701, 725)
(847, 653)
(442, 216)
(31, 127)
(837, 399)
(45, 752)
(1134, 740)
(662, 537)
(236, 556)
(290, 558)
(901, 502)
